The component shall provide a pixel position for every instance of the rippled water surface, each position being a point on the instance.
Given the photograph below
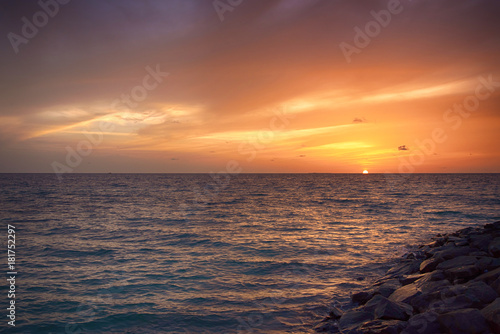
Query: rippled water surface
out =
(184, 253)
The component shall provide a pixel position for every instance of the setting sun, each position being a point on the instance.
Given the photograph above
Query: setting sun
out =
(365, 172)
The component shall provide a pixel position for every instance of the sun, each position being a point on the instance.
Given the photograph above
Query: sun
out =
(365, 172)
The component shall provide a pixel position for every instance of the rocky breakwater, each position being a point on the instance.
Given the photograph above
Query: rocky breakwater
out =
(451, 285)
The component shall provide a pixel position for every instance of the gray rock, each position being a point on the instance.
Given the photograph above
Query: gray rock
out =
(405, 280)
(431, 286)
(463, 321)
(327, 327)
(492, 315)
(459, 261)
(485, 293)
(406, 267)
(493, 226)
(452, 252)
(460, 302)
(388, 287)
(489, 277)
(423, 323)
(405, 294)
(494, 247)
(335, 313)
(479, 253)
(383, 327)
(495, 285)
(430, 264)
(480, 241)
(436, 275)
(465, 272)
(438, 297)
(353, 319)
(383, 308)
(487, 263)
(362, 297)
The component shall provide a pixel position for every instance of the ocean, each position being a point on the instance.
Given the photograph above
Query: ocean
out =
(199, 253)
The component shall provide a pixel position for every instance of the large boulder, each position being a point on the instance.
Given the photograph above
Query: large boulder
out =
(353, 319)
(388, 287)
(452, 252)
(408, 279)
(436, 275)
(362, 297)
(489, 277)
(487, 263)
(386, 309)
(426, 322)
(482, 291)
(464, 321)
(459, 261)
(494, 247)
(405, 267)
(383, 327)
(327, 327)
(463, 273)
(480, 241)
(405, 294)
(430, 264)
(492, 315)
(495, 285)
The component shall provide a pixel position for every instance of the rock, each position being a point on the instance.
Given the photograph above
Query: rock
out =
(487, 263)
(327, 327)
(423, 323)
(485, 293)
(458, 302)
(430, 264)
(459, 261)
(461, 243)
(479, 253)
(466, 273)
(452, 252)
(388, 287)
(405, 280)
(405, 294)
(494, 247)
(393, 311)
(406, 267)
(432, 298)
(493, 226)
(362, 297)
(354, 318)
(383, 327)
(492, 315)
(463, 321)
(335, 313)
(436, 275)
(496, 286)
(431, 286)
(480, 241)
(489, 277)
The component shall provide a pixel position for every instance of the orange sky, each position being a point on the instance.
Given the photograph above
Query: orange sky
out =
(270, 87)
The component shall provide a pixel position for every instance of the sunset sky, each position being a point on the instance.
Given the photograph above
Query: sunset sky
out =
(269, 85)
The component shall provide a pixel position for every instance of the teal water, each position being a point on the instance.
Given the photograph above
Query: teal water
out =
(185, 253)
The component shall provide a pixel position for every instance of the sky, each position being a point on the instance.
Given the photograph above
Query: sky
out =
(291, 86)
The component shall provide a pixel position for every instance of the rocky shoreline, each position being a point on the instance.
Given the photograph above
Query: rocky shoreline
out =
(450, 285)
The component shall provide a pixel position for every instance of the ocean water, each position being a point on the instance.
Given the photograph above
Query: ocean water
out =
(189, 253)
